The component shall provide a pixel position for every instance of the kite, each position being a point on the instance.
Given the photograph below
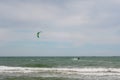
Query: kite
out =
(38, 34)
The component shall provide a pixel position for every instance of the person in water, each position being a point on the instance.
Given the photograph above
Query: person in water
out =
(78, 58)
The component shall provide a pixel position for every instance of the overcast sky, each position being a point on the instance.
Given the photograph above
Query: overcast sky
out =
(69, 27)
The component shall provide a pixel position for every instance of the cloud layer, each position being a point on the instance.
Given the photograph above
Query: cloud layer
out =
(78, 22)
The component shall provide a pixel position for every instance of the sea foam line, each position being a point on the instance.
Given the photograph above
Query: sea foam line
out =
(83, 71)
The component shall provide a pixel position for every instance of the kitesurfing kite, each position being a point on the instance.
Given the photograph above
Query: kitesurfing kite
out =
(38, 34)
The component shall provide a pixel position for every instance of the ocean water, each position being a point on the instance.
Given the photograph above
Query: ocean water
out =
(59, 68)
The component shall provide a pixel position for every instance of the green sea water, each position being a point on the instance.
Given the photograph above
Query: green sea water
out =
(38, 78)
(60, 68)
(112, 62)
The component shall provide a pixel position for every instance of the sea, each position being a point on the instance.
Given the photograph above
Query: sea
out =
(60, 68)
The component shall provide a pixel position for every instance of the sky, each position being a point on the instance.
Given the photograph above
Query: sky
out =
(69, 27)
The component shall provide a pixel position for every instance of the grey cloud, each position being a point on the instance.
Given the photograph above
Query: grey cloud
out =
(103, 13)
(88, 17)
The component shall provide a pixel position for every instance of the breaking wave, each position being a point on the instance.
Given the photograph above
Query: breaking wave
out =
(78, 71)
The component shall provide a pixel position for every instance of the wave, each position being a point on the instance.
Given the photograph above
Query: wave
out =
(78, 71)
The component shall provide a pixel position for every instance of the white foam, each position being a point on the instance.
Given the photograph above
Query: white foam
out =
(78, 71)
